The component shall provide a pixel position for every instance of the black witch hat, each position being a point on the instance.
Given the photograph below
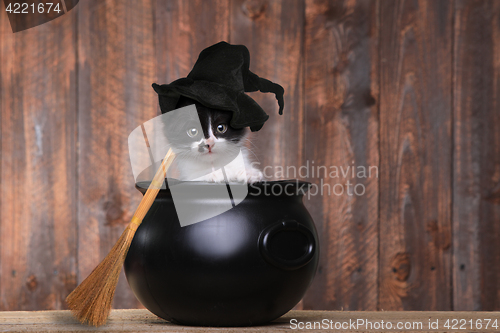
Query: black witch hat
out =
(219, 79)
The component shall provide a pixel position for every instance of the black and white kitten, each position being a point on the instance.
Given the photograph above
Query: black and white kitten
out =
(206, 142)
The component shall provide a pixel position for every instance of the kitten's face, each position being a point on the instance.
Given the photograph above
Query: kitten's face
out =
(206, 136)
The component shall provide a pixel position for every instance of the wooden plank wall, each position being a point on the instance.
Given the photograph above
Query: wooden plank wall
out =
(408, 87)
(476, 155)
(415, 148)
(38, 165)
(341, 88)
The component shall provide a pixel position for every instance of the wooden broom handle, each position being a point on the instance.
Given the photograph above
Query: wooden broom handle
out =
(152, 192)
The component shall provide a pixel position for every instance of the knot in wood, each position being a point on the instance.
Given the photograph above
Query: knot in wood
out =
(401, 266)
(254, 8)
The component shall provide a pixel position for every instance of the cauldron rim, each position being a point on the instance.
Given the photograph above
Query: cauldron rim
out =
(298, 187)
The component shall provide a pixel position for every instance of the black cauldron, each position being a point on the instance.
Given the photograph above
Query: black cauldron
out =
(246, 266)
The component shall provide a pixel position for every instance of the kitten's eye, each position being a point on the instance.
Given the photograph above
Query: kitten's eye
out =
(222, 128)
(192, 132)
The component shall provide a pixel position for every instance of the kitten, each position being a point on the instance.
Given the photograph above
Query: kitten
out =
(205, 154)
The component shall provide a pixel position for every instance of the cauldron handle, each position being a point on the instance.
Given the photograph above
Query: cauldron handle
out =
(266, 241)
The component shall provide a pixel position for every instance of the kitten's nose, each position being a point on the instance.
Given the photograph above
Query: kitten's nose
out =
(210, 143)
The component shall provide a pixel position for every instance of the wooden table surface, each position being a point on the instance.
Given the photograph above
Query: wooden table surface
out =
(144, 321)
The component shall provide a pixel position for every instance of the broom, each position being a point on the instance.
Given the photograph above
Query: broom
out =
(91, 300)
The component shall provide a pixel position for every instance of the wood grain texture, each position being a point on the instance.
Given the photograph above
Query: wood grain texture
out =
(415, 155)
(476, 181)
(116, 63)
(38, 164)
(183, 30)
(341, 98)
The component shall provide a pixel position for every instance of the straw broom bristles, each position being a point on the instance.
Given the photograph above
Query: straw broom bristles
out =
(91, 300)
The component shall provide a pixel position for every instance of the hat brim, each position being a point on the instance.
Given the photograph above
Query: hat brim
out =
(247, 113)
